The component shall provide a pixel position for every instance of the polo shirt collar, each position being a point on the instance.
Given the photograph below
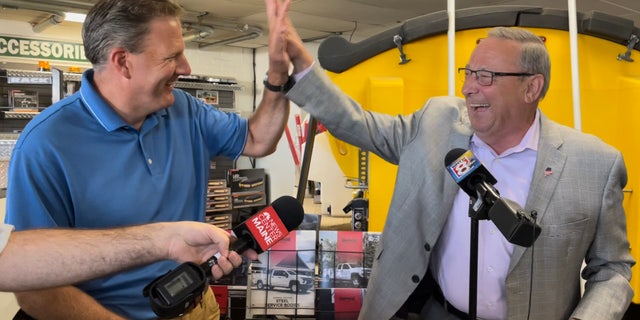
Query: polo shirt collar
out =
(99, 108)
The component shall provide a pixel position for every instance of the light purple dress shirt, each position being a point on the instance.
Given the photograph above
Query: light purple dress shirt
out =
(513, 169)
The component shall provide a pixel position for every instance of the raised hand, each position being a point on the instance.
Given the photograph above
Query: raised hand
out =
(279, 61)
(284, 42)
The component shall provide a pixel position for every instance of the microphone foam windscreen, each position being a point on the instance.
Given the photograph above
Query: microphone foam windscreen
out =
(289, 210)
(452, 155)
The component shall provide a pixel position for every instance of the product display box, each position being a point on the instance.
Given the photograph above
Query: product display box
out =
(218, 204)
(232, 301)
(281, 282)
(339, 303)
(247, 180)
(345, 258)
(248, 187)
(218, 196)
(222, 297)
(220, 220)
(230, 292)
(252, 199)
(208, 96)
(23, 101)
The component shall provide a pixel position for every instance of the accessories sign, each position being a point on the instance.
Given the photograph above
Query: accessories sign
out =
(41, 49)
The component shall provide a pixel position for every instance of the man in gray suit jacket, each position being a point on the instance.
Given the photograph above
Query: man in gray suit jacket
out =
(572, 180)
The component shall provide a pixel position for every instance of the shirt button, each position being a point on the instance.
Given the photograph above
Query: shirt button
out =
(150, 161)
(415, 278)
(490, 269)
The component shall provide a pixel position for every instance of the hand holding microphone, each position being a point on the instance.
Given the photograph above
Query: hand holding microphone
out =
(264, 229)
(179, 290)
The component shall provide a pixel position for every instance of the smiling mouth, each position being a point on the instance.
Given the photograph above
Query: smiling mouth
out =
(478, 106)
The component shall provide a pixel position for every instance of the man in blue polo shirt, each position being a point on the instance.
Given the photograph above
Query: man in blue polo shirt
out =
(129, 148)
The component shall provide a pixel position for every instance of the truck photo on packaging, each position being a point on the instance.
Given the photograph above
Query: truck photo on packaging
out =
(345, 258)
(344, 266)
(281, 281)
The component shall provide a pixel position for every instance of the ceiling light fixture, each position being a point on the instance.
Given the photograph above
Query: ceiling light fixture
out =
(48, 22)
(74, 17)
(58, 18)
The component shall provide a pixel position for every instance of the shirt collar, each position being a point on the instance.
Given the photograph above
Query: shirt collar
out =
(529, 141)
(99, 108)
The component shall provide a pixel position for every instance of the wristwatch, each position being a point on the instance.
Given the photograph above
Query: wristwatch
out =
(281, 88)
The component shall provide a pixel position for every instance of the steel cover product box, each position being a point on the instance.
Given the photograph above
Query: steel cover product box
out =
(248, 187)
(218, 196)
(281, 281)
(220, 220)
(245, 180)
(339, 303)
(248, 199)
(345, 258)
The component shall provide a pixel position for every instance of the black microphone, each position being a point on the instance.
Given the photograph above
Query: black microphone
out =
(517, 226)
(264, 229)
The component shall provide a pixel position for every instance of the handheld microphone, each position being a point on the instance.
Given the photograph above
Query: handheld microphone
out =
(517, 226)
(262, 230)
(180, 290)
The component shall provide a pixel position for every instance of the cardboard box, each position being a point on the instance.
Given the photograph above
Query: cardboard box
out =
(23, 101)
(245, 180)
(248, 187)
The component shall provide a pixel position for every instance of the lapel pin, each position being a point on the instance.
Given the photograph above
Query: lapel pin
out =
(548, 171)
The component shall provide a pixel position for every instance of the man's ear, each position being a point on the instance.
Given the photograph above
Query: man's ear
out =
(534, 88)
(119, 58)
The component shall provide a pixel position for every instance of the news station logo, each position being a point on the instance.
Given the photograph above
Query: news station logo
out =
(462, 166)
(267, 228)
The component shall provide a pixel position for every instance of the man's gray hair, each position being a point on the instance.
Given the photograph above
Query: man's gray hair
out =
(121, 23)
(534, 57)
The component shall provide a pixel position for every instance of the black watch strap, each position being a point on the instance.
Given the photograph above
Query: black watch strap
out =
(281, 88)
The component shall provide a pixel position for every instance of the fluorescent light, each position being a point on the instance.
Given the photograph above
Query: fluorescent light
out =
(74, 17)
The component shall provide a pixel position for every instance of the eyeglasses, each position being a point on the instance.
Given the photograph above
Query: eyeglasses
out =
(485, 77)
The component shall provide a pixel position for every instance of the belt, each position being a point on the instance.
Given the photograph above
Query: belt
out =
(438, 296)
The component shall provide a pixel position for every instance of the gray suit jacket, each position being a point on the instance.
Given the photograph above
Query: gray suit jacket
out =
(579, 207)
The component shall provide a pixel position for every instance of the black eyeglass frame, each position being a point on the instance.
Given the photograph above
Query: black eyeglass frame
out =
(493, 74)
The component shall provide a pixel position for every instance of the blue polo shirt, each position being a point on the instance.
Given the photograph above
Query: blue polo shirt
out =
(79, 165)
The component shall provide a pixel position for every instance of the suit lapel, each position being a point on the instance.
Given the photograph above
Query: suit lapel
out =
(549, 167)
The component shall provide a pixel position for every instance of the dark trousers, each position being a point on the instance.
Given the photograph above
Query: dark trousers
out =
(418, 297)
(428, 301)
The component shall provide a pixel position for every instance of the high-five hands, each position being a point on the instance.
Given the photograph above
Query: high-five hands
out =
(285, 45)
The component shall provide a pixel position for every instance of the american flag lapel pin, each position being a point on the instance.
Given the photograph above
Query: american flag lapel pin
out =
(548, 171)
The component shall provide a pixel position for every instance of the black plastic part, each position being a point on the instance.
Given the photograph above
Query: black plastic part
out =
(337, 55)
